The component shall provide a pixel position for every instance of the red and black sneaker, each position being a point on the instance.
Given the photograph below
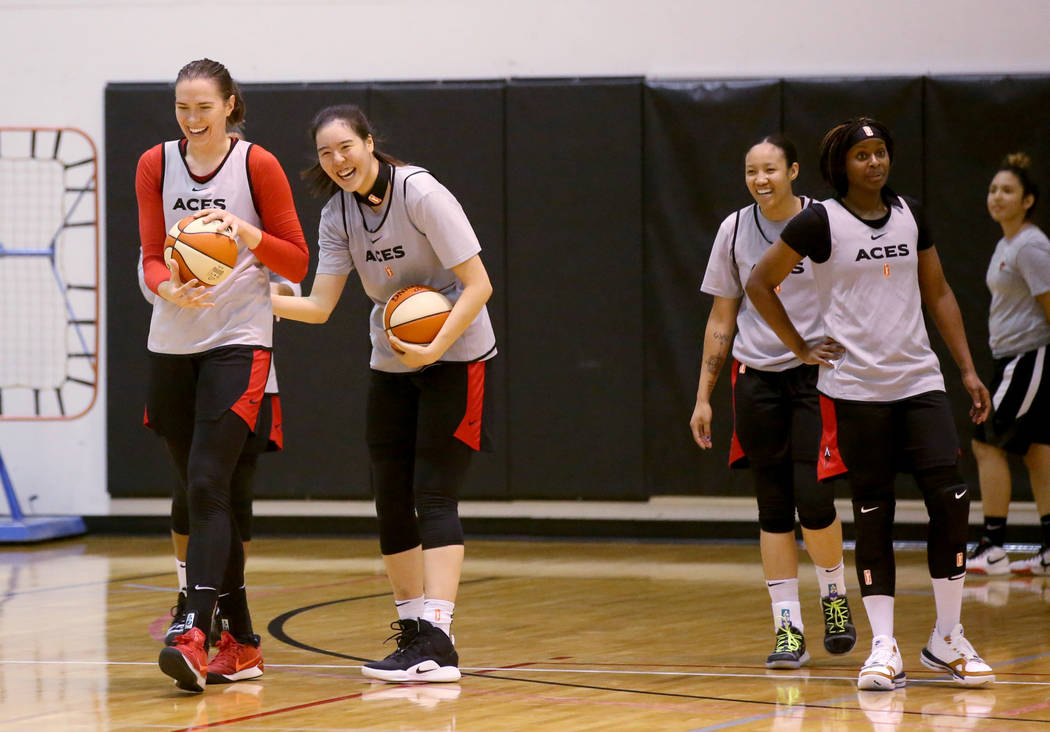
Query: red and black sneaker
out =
(235, 661)
(187, 660)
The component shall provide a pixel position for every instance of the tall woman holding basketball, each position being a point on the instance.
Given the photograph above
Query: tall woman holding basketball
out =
(396, 225)
(776, 406)
(210, 347)
(1019, 335)
(874, 267)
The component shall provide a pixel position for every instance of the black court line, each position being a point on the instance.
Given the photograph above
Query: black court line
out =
(276, 629)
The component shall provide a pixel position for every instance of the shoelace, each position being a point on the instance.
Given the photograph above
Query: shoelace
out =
(959, 644)
(401, 628)
(836, 613)
(881, 655)
(227, 646)
(787, 640)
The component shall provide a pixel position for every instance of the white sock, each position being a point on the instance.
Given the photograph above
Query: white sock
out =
(786, 608)
(831, 580)
(180, 570)
(439, 614)
(409, 609)
(947, 595)
(880, 614)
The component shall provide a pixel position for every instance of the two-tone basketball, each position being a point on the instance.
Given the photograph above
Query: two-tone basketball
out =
(415, 314)
(204, 252)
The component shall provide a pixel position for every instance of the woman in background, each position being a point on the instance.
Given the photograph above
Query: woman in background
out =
(1018, 333)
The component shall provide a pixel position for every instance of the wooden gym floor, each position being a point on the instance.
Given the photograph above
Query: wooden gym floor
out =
(551, 636)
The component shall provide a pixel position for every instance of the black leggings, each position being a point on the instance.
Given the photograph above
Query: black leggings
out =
(206, 460)
(416, 494)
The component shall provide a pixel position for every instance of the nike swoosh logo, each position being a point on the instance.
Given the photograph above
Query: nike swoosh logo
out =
(961, 494)
(867, 510)
(197, 189)
(376, 239)
(399, 604)
(256, 401)
(1000, 559)
(879, 236)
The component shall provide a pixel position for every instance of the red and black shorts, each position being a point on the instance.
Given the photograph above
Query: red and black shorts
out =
(185, 389)
(428, 407)
(1020, 389)
(778, 417)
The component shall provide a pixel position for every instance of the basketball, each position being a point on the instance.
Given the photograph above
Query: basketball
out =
(415, 314)
(202, 251)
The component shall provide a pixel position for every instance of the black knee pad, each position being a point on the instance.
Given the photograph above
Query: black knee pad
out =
(814, 500)
(439, 475)
(873, 514)
(947, 500)
(776, 498)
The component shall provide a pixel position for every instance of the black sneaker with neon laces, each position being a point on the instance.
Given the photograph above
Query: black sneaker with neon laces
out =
(790, 651)
(839, 634)
(424, 653)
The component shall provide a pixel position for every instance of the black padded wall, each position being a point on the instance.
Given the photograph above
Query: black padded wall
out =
(574, 315)
(596, 202)
(696, 134)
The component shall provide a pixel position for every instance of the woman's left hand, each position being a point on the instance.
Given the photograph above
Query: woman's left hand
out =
(239, 229)
(982, 400)
(414, 355)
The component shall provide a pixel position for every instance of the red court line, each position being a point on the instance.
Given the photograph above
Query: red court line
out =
(272, 712)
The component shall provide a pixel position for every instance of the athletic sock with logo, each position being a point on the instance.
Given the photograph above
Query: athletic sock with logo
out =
(880, 614)
(410, 609)
(995, 530)
(947, 595)
(439, 614)
(786, 608)
(831, 580)
(234, 607)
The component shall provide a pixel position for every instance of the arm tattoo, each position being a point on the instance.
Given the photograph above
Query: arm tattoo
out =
(714, 364)
(724, 338)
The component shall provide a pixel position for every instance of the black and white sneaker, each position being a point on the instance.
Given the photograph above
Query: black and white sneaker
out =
(790, 651)
(178, 621)
(839, 634)
(424, 653)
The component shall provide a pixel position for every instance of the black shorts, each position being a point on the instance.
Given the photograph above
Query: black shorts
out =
(778, 416)
(184, 389)
(428, 407)
(880, 439)
(1020, 388)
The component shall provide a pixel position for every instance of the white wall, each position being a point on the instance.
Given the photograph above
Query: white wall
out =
(57, 55)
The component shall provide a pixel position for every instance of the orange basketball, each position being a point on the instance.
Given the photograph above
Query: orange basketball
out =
(202, 251)
(415, 314)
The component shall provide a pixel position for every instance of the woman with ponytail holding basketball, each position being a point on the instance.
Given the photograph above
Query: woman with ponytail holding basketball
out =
(777, 415)
(210, 347)
(397, 226)
(1019, 334)
(874, 268)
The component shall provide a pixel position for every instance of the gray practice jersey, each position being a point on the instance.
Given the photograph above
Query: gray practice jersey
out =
(869, 294)
(243, 314)
(1019, 270)
(416, 238)
(297, 289)
(756, 345)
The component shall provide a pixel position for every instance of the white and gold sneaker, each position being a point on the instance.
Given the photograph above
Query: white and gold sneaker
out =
(954, 654)
(884, 669)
